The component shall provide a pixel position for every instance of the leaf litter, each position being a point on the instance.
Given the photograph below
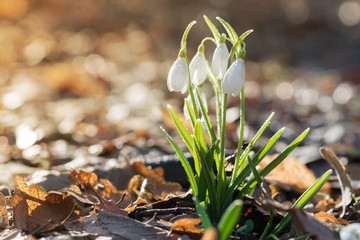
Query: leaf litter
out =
(69, 109)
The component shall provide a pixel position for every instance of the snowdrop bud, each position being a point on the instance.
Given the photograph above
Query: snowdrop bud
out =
(350, 232)
(198, 68)
(178, 78)
(220, 60)
(234, 78)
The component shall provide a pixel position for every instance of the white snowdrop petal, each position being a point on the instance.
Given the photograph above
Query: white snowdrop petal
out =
(220, 60)
(234, 78)
(198, 68)
(350, 232)
(178, 76)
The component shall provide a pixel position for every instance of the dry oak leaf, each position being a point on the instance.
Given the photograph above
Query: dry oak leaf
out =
(293, 173)
(90, 181)
(189, 227)
(156, 182)
(34, 208)
(83, 177)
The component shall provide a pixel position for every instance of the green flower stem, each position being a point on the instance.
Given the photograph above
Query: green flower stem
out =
(207, 39)
(221, 170)
(216, 87)
(238, 168)
(218, 108)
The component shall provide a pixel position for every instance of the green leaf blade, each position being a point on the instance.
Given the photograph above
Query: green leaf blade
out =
(303, 200)
(186, 165)
(184, 133)
(229, 219)
(273, 164)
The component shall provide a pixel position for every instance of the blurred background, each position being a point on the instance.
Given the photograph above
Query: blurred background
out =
(88, 78)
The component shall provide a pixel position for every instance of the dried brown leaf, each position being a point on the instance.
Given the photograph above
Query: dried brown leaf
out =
(108, 187)
(293, 173)
(327, 218)
(344, 179)
(156, 182)
(4, 220)
(83, 177)
(34, 208)
(109, 224)
(189, 227)
(307, 224)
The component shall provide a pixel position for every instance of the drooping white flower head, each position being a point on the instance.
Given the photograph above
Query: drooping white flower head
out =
(350, 232)
(178, 78)
(220, 60)
(198, 68)
(234, 78)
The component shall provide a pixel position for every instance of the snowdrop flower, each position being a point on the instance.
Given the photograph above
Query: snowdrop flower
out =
(220, 60)
(350, 232)
(234, 78)
(198, 68)
(178, 78)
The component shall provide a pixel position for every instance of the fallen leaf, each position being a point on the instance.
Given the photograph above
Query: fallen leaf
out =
(326, 204)
(83, 177)
(344, 179)
(189, 227)
(156, 182)
(327, 218)
(109, 224)
(307, 224)
(4, 220)
(108, 187)
(293, 173)
(33, 208)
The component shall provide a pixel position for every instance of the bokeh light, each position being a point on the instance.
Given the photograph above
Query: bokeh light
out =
(349, 13)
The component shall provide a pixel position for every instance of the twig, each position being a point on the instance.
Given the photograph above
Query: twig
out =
(151, 212)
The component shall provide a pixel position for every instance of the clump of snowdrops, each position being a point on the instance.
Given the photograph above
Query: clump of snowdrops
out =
(218, 197)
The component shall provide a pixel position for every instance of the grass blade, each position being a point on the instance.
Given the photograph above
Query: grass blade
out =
(200, 138)
(199, 135)
(240, 160)
(303, 200)
(257, 159)
(185, 135)
(206, 172)
(191, 112)
(206, 117)
(186, 165)
(276, 161)
(210, 154)
(255, 172)
(200, 208)
(229, 219)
